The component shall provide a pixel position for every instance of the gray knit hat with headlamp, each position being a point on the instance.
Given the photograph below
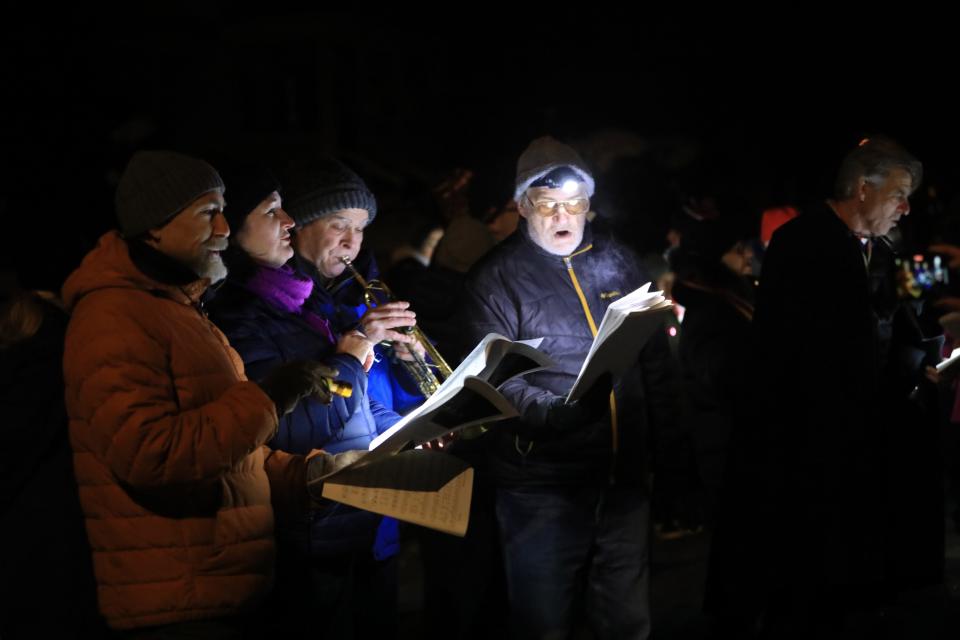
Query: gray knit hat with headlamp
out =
(541, 157)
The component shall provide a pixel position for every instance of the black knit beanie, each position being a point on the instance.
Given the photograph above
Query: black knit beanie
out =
(157, 185)
(247, 186)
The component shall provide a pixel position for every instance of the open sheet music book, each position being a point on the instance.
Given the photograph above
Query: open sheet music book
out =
(430, 488)
(626, 326)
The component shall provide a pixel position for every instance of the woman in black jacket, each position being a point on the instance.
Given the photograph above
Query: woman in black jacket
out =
(331, 566)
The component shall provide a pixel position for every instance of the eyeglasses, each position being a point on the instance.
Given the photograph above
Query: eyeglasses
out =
(548, 208)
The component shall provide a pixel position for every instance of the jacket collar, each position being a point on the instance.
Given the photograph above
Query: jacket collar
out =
(166, 271)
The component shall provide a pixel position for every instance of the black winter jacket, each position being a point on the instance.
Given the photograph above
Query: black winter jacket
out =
(521, 291)
(266, 337)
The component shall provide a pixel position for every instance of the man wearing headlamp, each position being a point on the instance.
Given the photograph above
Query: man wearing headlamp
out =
(572, 501)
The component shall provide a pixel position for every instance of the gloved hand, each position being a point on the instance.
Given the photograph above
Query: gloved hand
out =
(592, 406)
(323, 464)
(291, 382)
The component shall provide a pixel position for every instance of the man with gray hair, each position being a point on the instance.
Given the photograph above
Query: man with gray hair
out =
(572, 501)
(838, 467)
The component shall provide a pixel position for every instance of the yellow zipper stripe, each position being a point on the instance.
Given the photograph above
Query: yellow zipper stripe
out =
(593, 331)
(583, 299)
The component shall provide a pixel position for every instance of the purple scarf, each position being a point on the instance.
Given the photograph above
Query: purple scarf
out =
(287, 290)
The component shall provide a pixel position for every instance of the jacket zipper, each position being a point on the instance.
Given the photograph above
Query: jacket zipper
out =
(593, 331)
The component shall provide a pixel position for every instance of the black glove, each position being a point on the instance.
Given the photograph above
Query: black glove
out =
(323, 464)
(291, 382)
(592, 406)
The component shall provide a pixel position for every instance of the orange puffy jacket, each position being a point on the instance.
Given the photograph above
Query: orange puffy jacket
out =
(167, 437)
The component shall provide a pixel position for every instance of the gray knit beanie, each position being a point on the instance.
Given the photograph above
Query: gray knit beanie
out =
(331, 187)
(157, 185)
(543, 156)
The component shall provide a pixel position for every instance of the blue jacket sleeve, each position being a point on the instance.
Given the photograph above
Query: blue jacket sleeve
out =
(384, 417)
(311, 423)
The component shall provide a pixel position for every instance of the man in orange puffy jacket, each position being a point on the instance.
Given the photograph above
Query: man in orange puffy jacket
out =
(178, 490)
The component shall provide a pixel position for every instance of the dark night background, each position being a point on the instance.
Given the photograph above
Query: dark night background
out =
(663, 106)
(754, 108)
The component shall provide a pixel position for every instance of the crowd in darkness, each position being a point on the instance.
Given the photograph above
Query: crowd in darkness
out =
(187, 231)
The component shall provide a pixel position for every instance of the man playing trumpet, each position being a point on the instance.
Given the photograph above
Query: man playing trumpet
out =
(331, 216)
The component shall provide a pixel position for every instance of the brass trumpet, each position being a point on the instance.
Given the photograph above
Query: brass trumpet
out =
(375, 293)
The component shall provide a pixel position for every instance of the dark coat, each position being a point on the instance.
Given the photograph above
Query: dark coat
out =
(820, 473)
(434, 293)
(46, 581)
(522, 292)
(714, 351)
(266, 337)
